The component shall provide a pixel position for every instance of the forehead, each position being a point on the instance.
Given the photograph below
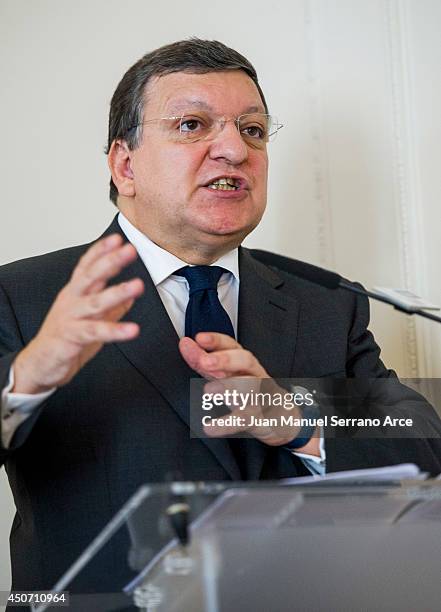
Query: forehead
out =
(230, 91)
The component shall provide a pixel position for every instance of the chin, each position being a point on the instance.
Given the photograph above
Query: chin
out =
(228, 235)
(225, 224)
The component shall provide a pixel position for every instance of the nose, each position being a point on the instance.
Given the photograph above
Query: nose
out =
(228, 145)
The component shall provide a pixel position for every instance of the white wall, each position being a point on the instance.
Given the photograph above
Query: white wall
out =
(355, 180)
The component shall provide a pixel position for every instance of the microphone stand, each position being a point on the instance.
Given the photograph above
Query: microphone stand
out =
(343, 284)
(332, 280)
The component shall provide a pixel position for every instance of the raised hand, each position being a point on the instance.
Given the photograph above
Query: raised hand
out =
(84, 316)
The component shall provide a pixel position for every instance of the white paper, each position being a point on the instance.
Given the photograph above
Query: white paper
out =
(402, 471)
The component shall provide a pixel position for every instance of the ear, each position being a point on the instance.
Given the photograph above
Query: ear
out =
(119, 165)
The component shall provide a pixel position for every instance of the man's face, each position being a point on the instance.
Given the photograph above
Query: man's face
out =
(172, 202)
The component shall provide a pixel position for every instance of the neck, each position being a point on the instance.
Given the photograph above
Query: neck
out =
(202, 252)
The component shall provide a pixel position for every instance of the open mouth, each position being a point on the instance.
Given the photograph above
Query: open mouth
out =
(225, 184)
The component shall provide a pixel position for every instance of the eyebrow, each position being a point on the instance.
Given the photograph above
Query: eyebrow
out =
(184, 104)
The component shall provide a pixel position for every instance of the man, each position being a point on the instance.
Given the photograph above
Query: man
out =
(96, 353)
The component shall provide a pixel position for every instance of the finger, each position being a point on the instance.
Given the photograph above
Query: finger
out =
(90, 332)
(86, 278)
(237, 362)
(192, 353)
(96, 304)
(245, 384)
(217, 386)
(99, 248)
(253, 423)
(240, 422)
(236, 385)
(213, 341)
(117, 313)
(219, 431)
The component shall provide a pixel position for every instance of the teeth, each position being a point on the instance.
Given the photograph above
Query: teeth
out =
(222, 187)
(224, 184)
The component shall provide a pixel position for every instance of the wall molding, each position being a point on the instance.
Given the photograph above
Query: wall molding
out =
(319, 152)
(406, 179)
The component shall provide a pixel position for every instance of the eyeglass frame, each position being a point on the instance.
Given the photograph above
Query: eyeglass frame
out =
(221, 121)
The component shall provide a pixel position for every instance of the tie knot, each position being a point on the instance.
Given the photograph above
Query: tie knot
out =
(201, 278)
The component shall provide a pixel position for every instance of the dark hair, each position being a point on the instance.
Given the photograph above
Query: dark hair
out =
(194, 56)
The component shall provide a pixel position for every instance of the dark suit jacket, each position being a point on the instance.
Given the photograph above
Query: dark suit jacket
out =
(123, 420)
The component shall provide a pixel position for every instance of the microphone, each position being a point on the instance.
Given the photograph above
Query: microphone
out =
(178, 513)
(332, 280)
(178, 509)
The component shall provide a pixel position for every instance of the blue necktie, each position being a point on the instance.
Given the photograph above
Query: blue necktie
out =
(204, 310)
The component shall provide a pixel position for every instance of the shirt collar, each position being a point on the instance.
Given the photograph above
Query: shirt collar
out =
(159, 262)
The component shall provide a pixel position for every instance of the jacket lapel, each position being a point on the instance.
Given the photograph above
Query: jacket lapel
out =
(155, 354)
(268, 318)
(268, 322)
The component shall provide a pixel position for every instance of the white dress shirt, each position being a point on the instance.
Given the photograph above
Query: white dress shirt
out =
(173, 291)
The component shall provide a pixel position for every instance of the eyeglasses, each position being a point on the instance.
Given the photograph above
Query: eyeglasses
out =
(256, 129)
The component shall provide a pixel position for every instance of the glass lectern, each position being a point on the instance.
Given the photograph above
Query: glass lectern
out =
(266, 547)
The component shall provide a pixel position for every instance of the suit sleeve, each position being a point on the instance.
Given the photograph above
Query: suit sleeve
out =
(374, 391)
(11, 342)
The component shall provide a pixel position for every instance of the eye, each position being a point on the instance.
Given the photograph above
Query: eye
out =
(254, 131)
(191, 124)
